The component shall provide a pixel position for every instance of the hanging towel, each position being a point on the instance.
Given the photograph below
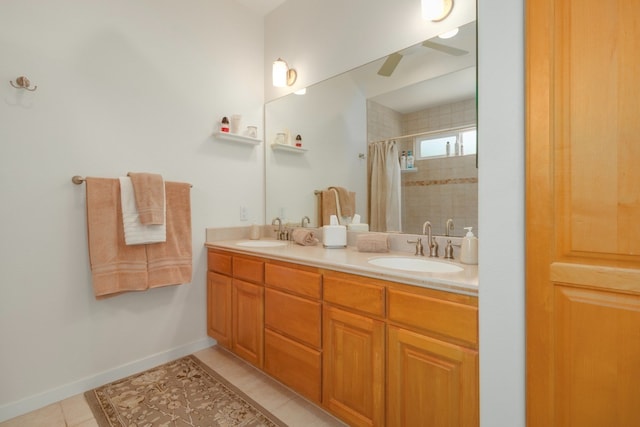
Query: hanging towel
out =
(136, 233)
(150, 198)
(115, 267)
(347, 201)
(170, 263)
(328, 205)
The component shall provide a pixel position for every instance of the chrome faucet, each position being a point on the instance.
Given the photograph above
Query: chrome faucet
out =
(448, 227)
(279, 233)
(431, 241)
(305, 218)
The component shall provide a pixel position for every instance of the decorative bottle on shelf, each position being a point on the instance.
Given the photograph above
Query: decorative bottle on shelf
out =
(456, 149)
(461, 149)
(448, 149)
(224, 125)
(410, 160)
(298, 141)
(403, 160)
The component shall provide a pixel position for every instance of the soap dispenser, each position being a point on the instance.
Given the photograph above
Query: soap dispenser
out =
(469, 250)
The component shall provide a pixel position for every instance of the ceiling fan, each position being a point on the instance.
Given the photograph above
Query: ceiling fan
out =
(392, 61)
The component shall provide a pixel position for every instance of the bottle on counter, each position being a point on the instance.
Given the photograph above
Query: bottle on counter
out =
(469, 249)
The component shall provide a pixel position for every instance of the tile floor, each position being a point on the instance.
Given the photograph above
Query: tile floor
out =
(279, 400)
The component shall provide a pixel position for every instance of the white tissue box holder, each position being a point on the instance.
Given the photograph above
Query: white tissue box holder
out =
(334, 236)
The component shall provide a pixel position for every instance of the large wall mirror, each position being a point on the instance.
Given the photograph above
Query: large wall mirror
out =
(422, 93)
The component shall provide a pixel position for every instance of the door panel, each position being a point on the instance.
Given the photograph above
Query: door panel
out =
(582, 211)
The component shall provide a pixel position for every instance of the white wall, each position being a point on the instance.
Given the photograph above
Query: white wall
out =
(322, 39)
(122, 86)
(333, 137)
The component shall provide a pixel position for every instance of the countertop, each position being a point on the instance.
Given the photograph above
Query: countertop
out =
(350, 260)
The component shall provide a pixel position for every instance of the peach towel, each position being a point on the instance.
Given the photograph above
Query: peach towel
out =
(346, 200)
(150, 198)
(372, 242)
(116, 267)
(332, 204)
(170, 263)
(304, 237)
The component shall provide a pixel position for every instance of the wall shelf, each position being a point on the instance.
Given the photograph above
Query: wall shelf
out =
(237, 138)
(290, 148)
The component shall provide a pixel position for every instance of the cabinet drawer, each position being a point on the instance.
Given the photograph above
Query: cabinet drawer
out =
(295, 317)
(301, 282)
(219, 262)
(434, 316)
(357, 293)
(248, 269)
(296, 365)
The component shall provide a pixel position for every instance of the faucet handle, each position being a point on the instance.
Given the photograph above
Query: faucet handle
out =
(419, 247)
(433, 248)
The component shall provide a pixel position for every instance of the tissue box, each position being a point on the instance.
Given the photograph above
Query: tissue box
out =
(358, 227)
(334, 236)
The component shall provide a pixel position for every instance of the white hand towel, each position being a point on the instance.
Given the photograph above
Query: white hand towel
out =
(136, 233)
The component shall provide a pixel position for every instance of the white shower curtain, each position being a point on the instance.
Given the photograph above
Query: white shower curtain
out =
(384, 187)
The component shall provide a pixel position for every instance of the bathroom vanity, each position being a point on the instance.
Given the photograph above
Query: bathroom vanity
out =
(373, 346)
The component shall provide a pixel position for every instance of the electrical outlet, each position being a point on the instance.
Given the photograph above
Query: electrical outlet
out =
(244, 213)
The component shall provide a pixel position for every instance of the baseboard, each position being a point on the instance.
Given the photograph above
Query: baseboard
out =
(14, 409)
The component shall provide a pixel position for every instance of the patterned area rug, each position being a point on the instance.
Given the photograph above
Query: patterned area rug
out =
(184, 392)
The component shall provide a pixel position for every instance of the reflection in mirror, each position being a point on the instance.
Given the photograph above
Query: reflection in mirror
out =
(425, 92)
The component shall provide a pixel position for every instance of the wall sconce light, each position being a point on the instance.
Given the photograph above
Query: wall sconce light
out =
(283, 75)
(436, 10)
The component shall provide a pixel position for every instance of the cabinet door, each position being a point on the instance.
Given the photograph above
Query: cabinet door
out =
(219, 308)
(248, 321)
(353, 367)
(430, 382)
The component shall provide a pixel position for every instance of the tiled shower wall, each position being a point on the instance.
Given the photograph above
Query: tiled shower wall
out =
(441, 188)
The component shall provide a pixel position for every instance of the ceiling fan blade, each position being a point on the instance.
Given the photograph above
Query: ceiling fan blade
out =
(443, 48)
(390, 64)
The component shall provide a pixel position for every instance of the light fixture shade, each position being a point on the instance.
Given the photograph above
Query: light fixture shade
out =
(279, 73)
(436, 10)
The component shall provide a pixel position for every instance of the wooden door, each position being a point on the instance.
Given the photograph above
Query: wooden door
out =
(353, 367)
(219, 308)
(583, 212)
(248, 321)
(431, 382)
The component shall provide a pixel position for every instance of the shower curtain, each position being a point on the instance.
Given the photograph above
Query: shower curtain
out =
(384, 187)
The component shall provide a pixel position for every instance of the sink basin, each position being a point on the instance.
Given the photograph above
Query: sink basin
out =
(415, 264)
(262, 243)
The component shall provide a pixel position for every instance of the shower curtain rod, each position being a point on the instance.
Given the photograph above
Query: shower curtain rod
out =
(413, 135)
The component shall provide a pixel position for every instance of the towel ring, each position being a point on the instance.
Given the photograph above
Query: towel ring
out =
(23, 83)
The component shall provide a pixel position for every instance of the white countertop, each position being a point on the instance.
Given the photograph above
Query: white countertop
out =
(349, 260)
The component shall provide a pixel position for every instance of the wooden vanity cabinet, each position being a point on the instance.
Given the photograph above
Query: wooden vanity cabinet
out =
(293, 338)
(432, 359)
(219, 297)
(354, 348)
(372, 352)
(235, 312)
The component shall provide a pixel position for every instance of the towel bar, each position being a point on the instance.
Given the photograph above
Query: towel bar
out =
(77, 179)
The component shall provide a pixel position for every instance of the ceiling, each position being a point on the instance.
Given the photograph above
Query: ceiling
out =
(261, 7)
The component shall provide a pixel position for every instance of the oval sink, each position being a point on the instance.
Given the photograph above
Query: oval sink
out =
(262, 243)
(415, 264)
